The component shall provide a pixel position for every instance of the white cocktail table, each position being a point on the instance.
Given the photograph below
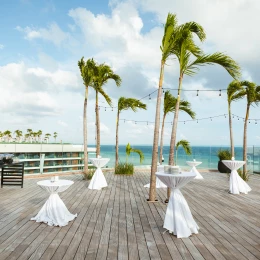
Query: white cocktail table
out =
(98, 180)
(54, 212)
(178, 218)
(159, 183)
(236, 183)
(193, 164)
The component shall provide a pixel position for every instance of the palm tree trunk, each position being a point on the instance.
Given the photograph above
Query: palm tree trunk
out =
(231, 132)
(245, 139)
(152, 191)
(85, 132)
(161, 143)
(174, 131)
(97, 127)
(175, 122)
(117, 125)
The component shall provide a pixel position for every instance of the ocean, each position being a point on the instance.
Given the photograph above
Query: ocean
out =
(206, 154)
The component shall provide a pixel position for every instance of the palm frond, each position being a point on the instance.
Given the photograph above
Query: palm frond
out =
(104, 94)
(141, 155)
(186, 146)
(130, 103)
(216, 58)
(195, 28)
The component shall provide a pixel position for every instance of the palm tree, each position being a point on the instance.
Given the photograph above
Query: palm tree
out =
(29, 131)
(55, 134)
(87, 69)
(103, 73)
(186, 147)
(233, 94)
(130, 150)
(47, 136)
(1, 136)
(8, 135)
(39, 134)
(189, 67)
(125, 104)
(169, 106)
(252, 93)
(26, 137)
(18, 133)
(170, 39)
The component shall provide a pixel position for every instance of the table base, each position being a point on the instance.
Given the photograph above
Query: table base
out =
(54, 212)
(198, 175)
(159, 184)
(98, 180)
(237, 184)
(178, 218)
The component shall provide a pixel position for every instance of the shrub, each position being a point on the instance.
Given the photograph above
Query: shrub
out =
(224, 155)
(124, 168)
(243, 175)
(90, 174)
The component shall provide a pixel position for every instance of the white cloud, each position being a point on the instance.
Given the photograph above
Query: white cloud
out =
(1, 46)
(53, 33)
(62, 123)
(118, 37)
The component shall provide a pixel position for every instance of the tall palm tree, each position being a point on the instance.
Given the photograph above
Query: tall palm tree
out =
(47, 136)
(130, 150)
(29, 131)
(103, 73)
(190, 67)
(87, 69)
(39, 134)
(186, 147)
(170, 39)
(55, 134)
(169, 106)
(18, 134)
(125, 104)
(234, 93)
(8, 135)
(252, 93)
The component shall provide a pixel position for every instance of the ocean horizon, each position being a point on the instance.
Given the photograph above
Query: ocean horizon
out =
(206, 154)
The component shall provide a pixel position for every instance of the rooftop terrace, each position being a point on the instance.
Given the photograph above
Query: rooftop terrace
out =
(118, 222)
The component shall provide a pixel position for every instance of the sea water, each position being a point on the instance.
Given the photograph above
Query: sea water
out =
(205, 154)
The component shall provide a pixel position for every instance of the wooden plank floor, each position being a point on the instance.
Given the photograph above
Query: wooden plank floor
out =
(118, 223)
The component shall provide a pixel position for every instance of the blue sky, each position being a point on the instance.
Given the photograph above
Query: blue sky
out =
(41, 88)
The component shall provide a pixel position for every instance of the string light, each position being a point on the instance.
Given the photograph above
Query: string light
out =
(112, 109)
(105, 109)
(197, 121)
(162, 90)
(219, 93)
(149, 97)
(194, 120)
(184, 122)
(197, 93)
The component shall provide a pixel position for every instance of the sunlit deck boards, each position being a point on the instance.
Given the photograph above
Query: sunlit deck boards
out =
(118, 223)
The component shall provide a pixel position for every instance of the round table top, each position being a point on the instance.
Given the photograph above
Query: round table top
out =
(233, 164)
(59, 183)
(193, 163)
(183, 174)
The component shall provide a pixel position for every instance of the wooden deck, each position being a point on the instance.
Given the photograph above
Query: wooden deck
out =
(118, 222)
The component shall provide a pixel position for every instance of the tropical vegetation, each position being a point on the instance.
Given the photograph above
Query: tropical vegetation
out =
(169, 106)
(101, 75)
(186, 147)
(125, 104)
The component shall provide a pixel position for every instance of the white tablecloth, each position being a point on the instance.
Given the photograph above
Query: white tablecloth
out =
(98, 180)
(193, 164)
(178, 218)
(236, 183)
(159, 183)
(54, 212)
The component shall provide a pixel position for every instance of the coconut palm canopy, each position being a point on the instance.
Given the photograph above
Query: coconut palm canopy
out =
(130, 103)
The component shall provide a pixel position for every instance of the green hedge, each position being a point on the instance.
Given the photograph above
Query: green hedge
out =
(124, 168)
